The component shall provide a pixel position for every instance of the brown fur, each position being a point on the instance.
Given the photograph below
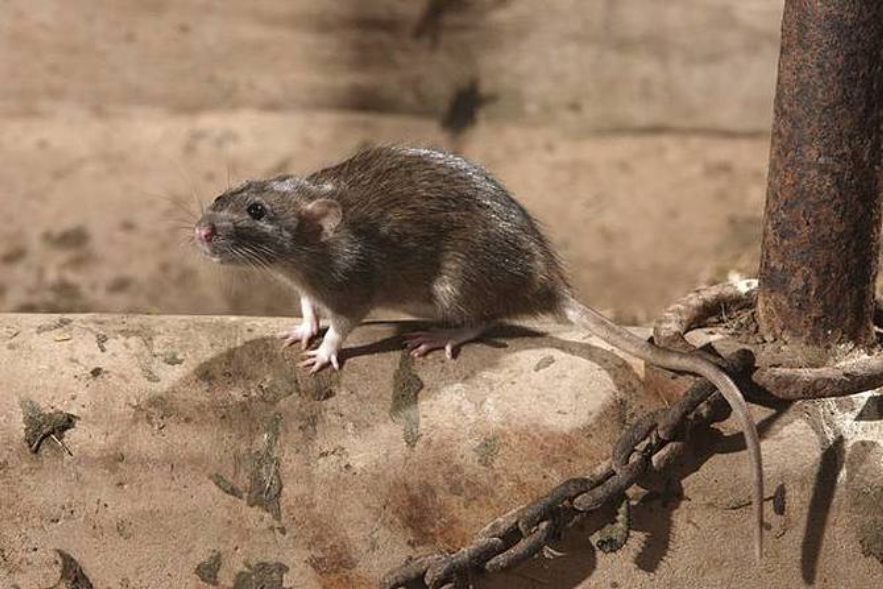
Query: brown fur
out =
(420, 229)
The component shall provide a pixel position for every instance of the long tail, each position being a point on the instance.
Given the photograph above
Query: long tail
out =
(626, 341)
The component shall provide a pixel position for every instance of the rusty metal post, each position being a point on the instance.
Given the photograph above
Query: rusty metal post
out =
(821, 235)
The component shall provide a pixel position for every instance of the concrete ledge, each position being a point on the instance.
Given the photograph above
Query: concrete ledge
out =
(199, 443)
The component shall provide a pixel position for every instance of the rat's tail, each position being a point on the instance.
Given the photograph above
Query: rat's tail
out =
(610, 332)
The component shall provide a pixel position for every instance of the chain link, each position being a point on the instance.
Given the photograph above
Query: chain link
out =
(650, 444)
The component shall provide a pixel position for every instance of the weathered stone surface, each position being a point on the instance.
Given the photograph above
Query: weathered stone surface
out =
(636, 131)
(608, 65)
(363, 485)
(639, 220)
(355, 490)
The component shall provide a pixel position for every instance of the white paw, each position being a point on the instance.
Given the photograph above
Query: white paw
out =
(303, 333)
(318, 359)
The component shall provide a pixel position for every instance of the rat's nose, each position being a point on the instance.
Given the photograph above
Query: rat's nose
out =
(205, 232)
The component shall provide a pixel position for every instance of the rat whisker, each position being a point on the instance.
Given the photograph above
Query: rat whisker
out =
(194, 193)
(264, 249)
(249, 257)
(230, 175)
(174, 200)
(185, 237)
(181, 206)
(261, 260)
(179, 221)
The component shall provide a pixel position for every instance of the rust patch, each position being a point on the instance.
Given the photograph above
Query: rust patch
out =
(332, 556)
(423, 513)
(331, 559)
(345, 581)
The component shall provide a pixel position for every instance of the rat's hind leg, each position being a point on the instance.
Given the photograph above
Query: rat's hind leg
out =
(420, 343)
(308, 328)
(449, 294)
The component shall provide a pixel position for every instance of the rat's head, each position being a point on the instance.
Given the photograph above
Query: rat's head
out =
(261, 223)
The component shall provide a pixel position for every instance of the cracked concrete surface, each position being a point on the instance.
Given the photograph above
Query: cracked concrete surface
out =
(359, 485)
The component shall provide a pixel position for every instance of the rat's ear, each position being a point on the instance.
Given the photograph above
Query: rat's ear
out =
(324, 215)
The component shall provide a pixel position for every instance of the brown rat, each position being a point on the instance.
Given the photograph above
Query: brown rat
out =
(427, 232)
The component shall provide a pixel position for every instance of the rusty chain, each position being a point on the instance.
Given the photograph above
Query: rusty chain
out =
(650, 444)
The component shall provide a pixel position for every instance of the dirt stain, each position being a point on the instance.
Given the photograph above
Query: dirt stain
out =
(487, 450)
(265, 482)
(403, 410)
(418, 507)
(332, 559)
(172, 358)
(264, 486)
(256, 369)
(72, 238)
(207, 570)
(13, 255)
(57, 324)
(72, 574)
(226, 486)
(262, 575)
(41, 425)
(544, 363)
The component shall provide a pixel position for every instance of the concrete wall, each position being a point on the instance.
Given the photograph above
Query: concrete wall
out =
(635, 130)
(589, 65)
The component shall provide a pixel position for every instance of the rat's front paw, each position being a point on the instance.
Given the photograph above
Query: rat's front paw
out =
(303, 333)
(318, 359)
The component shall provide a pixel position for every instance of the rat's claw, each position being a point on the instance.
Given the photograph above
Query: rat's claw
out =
(318, 359)
(303, 333)
(420, 343)
(419, 351)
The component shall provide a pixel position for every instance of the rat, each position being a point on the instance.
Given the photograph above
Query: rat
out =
(430, 233)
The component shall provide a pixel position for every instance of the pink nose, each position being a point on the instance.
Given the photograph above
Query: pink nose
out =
(205, 232)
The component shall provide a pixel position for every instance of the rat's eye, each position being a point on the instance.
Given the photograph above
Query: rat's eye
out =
(256, 211)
